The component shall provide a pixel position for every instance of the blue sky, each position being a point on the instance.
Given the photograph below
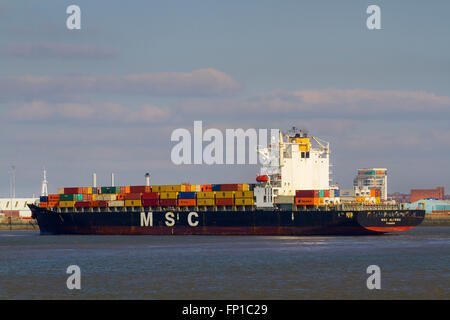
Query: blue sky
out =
(106, 98)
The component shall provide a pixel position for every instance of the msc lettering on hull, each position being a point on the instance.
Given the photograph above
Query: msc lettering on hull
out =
(147, 219)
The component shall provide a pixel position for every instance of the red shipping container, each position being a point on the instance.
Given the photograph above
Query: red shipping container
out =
(140, 189)
(100, 204)
(326, 193)
(82, 204)
(168, 202)
(150, 195)
(225, 202)
(150, 203)
(87, 197)
(72, 190)
(231, 187)
(132, 196)
(307, 193)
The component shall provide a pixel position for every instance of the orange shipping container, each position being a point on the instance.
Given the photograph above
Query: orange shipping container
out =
(307, 201)
(206, 187)
(53, 204)
(121, 196)
(43, 205)
(53, 197)
(186, 202)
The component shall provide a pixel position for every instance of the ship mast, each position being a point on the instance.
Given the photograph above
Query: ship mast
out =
(44, 190)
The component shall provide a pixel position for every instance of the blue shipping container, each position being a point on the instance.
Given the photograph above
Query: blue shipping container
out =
(187, 195)
(216, 187)
(43, 199)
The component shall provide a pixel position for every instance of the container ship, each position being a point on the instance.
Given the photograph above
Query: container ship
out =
(292, 196)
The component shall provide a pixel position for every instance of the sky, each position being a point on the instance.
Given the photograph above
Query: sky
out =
(107, 97)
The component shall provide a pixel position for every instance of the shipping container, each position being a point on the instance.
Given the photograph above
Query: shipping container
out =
(215, 187)
(205, 195)
(307, 201)
(82, 204)
(117, 203)
(168, 195)
(106, 197)
(43, 199)
(326, 193)
(72, 190)
(307, 193)
(53, 197)
(244, 201)
(110, 190)
(43, 204)
(168, 202)
(150, 202)
(245, 187)
(187, 195)
(140, 189)
(321, 193)
(156, 188)
(186, 202)
(225, 194)
(133, 203)
(284, 200)
(132, 196)
(225, 201)
(71, 197)
(173, 188)
(150, 196)
(87, 197)
(230, 187)
(205, 187)
(67, 204)
(60, 190)
(205, 202)
(53, 204)
(243, 194)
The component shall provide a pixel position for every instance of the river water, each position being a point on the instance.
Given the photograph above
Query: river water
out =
(414, 264)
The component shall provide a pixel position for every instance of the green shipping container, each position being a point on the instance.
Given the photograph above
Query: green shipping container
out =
(110, 190)
(321, 193)
(70, 197)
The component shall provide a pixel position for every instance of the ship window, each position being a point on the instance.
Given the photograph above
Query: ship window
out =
(307, 154)
(303, 154)
(265, 198)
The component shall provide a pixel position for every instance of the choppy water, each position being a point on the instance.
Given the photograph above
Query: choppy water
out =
(414, 264)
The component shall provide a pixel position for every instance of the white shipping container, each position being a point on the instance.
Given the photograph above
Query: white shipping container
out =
(117, 203)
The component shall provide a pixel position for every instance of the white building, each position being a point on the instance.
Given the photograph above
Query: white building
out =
(16, 207)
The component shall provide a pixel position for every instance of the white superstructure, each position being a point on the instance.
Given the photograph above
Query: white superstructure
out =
(16, 206)
(295, 161)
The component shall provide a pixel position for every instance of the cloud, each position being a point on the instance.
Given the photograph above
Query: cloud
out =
(56, 50)
(202, 82)
(112, 112)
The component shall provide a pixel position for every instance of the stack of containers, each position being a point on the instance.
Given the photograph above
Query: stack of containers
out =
(205, 198)
(150, 199)
(225, 198)
(244, 198)
(43, 202)
(168, 198)
(132, 199)
(53, 200)
(307, 197)
(187, 199)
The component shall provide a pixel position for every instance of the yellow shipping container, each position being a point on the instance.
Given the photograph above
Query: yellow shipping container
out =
(245, 187)
(156, 188)
(205, 202)
(89, 190)
(244, 194)
(224, 194)
(67, 204)
(60, 190)
(169, 195)
(94, 197)
(195, 188)
(173, 188)
(205, 195)
(243, 202)
(133, 203)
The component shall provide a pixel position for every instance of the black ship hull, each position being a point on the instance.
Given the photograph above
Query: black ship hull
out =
(141, 221)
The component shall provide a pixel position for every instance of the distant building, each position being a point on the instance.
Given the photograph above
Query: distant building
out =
(399, 197)
(419, 194)
(373, 178)
(16, 207)
(431, 206)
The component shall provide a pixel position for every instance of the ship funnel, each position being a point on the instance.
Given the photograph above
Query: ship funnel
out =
(112, 179)
(147, 179)
(94, 180)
